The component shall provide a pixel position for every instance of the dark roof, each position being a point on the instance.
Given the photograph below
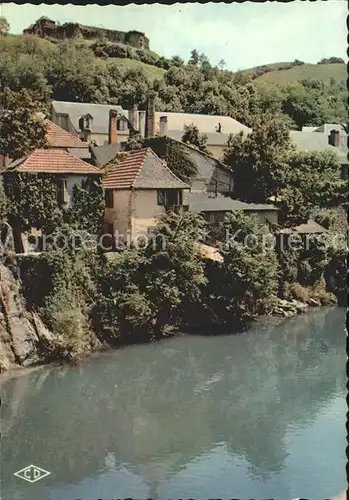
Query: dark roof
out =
(200, 201)
(141, 169)
(105, 154)
(310, 227)
(53, 161)
(99, 113)
(205, 162)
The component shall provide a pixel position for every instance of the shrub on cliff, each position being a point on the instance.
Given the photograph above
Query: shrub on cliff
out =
(146, 290)
(246, 283)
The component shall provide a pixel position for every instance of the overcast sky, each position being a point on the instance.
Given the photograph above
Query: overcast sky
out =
(243, 34)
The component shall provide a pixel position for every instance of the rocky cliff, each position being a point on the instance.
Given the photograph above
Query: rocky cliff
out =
(23, 336)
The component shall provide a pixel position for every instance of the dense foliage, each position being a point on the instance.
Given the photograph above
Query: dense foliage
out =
(267, 168)
(177, 158)
(22, 109)
(33, 201)
(192, 136)
(73, 71)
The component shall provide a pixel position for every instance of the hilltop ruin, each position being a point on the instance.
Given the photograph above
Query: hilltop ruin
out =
(46, 28)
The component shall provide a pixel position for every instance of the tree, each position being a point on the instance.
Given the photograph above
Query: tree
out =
(246, 284)
(176, 61)
(331, 60)
(222, 64)
(4, 26)
(312, 179)
(194, 57)
(174, 272)
(259, 160)
(192, 136)
(22, 127)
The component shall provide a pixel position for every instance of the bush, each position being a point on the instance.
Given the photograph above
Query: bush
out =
(68, 321)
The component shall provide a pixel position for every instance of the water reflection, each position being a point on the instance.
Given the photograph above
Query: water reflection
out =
(137, 420)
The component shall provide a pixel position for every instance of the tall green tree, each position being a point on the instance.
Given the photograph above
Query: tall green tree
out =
(246, 283)
(194, 57)
(312, 179)
(21, 123)
(259, 161)
(4, 26)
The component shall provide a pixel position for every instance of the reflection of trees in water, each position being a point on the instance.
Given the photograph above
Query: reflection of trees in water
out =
(158, 407)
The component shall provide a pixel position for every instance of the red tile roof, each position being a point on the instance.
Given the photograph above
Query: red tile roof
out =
(126, 171)
(141, 169)
(57, 137)
(53, 161)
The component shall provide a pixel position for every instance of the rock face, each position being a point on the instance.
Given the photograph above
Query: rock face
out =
(21, 333)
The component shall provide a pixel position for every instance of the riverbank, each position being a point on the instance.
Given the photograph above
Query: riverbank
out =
(26, 341)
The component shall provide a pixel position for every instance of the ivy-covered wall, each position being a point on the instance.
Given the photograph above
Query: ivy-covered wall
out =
(32, 201)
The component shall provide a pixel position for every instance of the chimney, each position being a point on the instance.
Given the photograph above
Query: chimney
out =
(133, 117)
(334, 138)
(141, 118)
(150, 118)
(113, 131)
(163, 125)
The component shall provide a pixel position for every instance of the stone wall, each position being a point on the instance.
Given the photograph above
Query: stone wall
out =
(46, 28)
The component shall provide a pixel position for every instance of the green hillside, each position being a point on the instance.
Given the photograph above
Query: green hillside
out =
(151, 72)
(282, 74)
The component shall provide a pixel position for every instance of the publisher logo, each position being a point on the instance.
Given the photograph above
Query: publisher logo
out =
(32, 473)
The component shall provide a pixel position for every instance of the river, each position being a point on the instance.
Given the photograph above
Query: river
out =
(254, 415)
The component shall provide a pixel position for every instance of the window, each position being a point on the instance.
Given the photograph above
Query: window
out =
(62, 191)
(63, 121)
(169, 197)
(85, 122)
(109, 199)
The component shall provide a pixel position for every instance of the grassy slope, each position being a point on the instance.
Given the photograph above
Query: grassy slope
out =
(46, 46)
(151, 72)
(323, 72)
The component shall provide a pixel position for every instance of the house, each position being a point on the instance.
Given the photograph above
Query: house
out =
(58, 138)
(217, 128)
(212, 174)
(138, 189)
(328, 137)
(213, 207)
(302, 232)
(91, 121)
(67, 171)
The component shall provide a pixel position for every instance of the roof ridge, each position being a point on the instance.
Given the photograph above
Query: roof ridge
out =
(146, 151)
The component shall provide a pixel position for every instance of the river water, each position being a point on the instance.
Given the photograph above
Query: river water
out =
(256, 415)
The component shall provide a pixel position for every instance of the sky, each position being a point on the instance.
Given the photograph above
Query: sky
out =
(243, 34)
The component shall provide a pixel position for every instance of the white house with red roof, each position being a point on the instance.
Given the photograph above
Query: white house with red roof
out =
(67, 169)
(139, 188)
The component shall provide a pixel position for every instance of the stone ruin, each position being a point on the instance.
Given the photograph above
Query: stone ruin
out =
(46, 28)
